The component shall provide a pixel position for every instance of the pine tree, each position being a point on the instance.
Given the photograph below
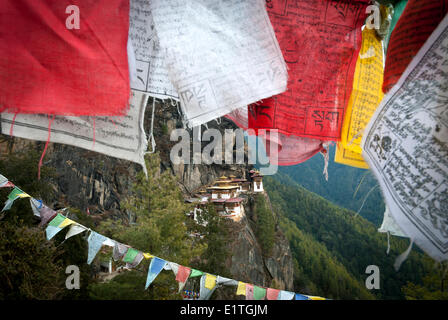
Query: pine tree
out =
(158, 226)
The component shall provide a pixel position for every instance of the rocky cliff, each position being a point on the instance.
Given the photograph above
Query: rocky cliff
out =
(88, 180)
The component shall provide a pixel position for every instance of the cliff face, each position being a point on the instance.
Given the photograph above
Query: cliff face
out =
(88, 180)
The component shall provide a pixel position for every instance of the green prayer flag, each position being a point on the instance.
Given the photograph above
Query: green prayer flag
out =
(57, 220)
(259, 293)
(195, 273)
(130, 255)
(14, 193)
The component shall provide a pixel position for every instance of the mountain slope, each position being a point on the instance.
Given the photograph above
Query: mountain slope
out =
(343, 181)
(351, 241)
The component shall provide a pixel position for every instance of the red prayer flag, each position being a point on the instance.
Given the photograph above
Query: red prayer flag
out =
(272, 294)
(418, 20)
(320, 41)
(45, 67)
(182, 274)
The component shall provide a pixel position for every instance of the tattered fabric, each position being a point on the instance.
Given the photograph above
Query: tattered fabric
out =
(320, 41)
(47, 67)
(15, 194)
(53, 227)
(95, 241)
(220, 55)
(155, 267)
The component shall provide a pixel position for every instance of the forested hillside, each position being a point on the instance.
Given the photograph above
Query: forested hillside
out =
(346, 186)
(332, 246)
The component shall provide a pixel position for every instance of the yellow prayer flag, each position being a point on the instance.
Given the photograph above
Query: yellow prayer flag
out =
(241, 289)
(366, 94)
(65, 223)
(210, 281)
(316, 298)
(350, 158)
(147, 255)
(23, 195)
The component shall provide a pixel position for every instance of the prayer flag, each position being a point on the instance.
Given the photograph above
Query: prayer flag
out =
(95, 241)
(272, 294)
(220, 56)
(195, 273)
(155, 267)
(405, 145)
(241, 290)
(320, 41)
(210, 281)
(365, 98)
(259, 293)
(64, 57)
(285, 295)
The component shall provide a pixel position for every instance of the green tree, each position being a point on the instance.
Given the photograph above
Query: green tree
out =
(265, 225)
(431, 289)
(216, 238)
(158, 225)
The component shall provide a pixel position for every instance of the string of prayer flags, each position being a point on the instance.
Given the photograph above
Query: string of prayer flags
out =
(328, 33)
(365, 97)
(272, 294)
(208, 283)
(418, 20)
(259, 293)
(55, 226)
(286, 295)
(241, 289)
(15, 194)
(220, 56)
(95, 241)
(405, 145)
(299, 296)
(155, 267)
